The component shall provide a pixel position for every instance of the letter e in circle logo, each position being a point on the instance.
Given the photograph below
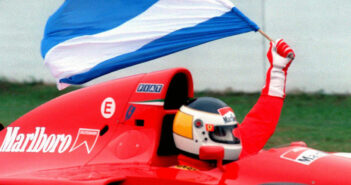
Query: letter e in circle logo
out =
(108, 107)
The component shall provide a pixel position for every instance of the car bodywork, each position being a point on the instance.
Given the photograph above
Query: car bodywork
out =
(120, 132)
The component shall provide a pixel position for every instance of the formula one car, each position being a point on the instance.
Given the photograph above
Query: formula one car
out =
(120, 132)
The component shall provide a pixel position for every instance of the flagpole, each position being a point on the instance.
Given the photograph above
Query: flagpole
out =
(290, 55)
(265, 35)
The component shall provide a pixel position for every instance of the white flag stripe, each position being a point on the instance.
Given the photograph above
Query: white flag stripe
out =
(80, 54)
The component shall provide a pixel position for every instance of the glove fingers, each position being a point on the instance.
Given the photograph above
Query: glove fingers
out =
(279, 41)
(283, 49)
(288, 52)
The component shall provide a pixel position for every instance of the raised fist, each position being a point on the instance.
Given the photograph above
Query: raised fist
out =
(280, 56)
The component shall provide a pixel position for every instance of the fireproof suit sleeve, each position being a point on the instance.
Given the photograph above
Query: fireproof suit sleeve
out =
(259, 124)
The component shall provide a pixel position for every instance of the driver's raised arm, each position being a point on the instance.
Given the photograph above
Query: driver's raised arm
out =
(260, 123)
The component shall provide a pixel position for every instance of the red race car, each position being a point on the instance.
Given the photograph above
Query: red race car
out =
(120, 132)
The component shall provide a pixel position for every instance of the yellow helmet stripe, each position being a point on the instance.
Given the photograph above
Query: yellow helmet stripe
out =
(182, 125)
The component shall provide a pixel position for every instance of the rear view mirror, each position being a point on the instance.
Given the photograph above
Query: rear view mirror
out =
(1, 127)
(212, 153)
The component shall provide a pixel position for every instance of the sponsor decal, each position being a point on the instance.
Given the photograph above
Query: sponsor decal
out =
(87, 137)
(303, 155)
(149, 88)
(108, 107)
(130, 112)
(209, 127)
(39, 141)
(228, 114)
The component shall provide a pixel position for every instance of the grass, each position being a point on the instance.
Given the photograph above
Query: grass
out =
(17, 99)
(322, 121)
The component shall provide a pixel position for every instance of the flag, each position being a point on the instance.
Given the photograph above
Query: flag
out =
(85, 39)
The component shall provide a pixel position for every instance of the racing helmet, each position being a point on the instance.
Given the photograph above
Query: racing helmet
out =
(206, 121)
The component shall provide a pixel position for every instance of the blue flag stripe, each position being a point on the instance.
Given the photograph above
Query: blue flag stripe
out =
(82, 17)
(231, 23)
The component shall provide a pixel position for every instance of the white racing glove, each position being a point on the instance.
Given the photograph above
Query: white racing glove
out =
(280, 56)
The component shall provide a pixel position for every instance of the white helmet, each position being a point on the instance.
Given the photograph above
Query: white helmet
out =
(206, 121)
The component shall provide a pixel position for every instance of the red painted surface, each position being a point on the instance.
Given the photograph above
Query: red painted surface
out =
(64, 142)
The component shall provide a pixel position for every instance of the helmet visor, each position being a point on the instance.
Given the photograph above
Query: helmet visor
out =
(224, 134)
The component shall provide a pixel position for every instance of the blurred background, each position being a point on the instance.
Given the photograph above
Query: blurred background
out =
(317, 109)
(319, 32)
